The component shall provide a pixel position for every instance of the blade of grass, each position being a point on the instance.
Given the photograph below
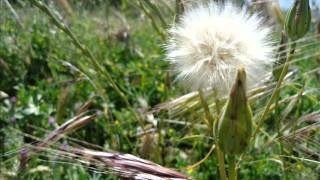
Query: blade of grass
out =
(14, 13)
(89, 55)
(157, 12)
(153, 21)
(275, 92)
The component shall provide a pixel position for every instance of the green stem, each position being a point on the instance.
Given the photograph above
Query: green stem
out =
(220, 156)
(219, 153)
(232, 168)
(82, 47)
(153, 21)
(14, 13)
(156, 12)
(209, 117)
(179, 9)
(218, 107)
(275, 91)
(105, 74)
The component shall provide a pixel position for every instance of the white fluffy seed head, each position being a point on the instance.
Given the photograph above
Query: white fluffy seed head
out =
(212, 41)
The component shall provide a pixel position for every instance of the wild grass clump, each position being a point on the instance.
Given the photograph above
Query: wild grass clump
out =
(159, 90)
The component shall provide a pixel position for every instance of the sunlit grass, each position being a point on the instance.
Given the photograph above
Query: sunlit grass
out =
(54, 73)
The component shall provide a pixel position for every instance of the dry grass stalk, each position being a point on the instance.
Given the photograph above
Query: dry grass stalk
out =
(73, 124)
(127, 165)
(124, 165)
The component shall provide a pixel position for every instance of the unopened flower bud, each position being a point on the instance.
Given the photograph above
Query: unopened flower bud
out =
(298, 19)
(13, 100)
(51, 121)
(235, 124)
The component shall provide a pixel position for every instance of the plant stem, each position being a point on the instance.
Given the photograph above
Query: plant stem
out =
(275, 91)
(220, 156)
(219, 153)
(105, 74)
(209, 117)
(156, 12)
(14, 13)
(82, 48)
(232, 168)
(179, 9)
(218, 107)
(153, 21)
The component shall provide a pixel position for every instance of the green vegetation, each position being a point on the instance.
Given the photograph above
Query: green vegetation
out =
(111, 58)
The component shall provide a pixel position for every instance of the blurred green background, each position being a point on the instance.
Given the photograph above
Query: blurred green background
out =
(45, 79)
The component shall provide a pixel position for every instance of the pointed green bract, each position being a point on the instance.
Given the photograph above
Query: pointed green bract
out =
(298, 19)
(235, 124)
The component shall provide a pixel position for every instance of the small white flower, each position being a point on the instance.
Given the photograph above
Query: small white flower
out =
(212, 41)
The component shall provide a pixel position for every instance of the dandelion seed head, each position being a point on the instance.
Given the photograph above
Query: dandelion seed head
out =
(212, 41)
